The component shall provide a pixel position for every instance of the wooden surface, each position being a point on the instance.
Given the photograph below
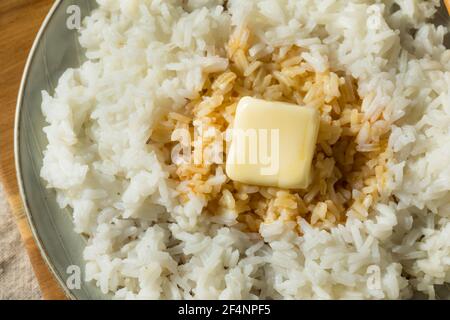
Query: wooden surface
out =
(19, 23)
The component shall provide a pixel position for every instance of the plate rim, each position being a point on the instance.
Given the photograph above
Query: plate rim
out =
(18, 168)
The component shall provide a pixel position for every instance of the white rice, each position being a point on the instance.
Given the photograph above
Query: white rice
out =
(146, 58)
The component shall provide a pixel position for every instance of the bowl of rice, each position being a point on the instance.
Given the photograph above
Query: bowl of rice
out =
(104, 97)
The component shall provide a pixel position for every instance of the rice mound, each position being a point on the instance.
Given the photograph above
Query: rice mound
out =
(378, 72)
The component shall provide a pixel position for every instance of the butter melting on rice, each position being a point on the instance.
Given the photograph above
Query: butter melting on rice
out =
(349, 164)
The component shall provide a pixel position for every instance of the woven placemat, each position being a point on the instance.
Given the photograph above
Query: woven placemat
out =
(17, 279)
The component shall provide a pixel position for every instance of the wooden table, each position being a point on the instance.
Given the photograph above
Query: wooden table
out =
(19, 23)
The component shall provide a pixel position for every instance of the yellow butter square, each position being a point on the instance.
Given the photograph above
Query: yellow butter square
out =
(272, 144)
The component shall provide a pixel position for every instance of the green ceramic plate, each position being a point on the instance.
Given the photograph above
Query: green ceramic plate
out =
(55, 49)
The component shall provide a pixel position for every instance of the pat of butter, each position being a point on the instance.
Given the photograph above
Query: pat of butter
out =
(272, 144)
